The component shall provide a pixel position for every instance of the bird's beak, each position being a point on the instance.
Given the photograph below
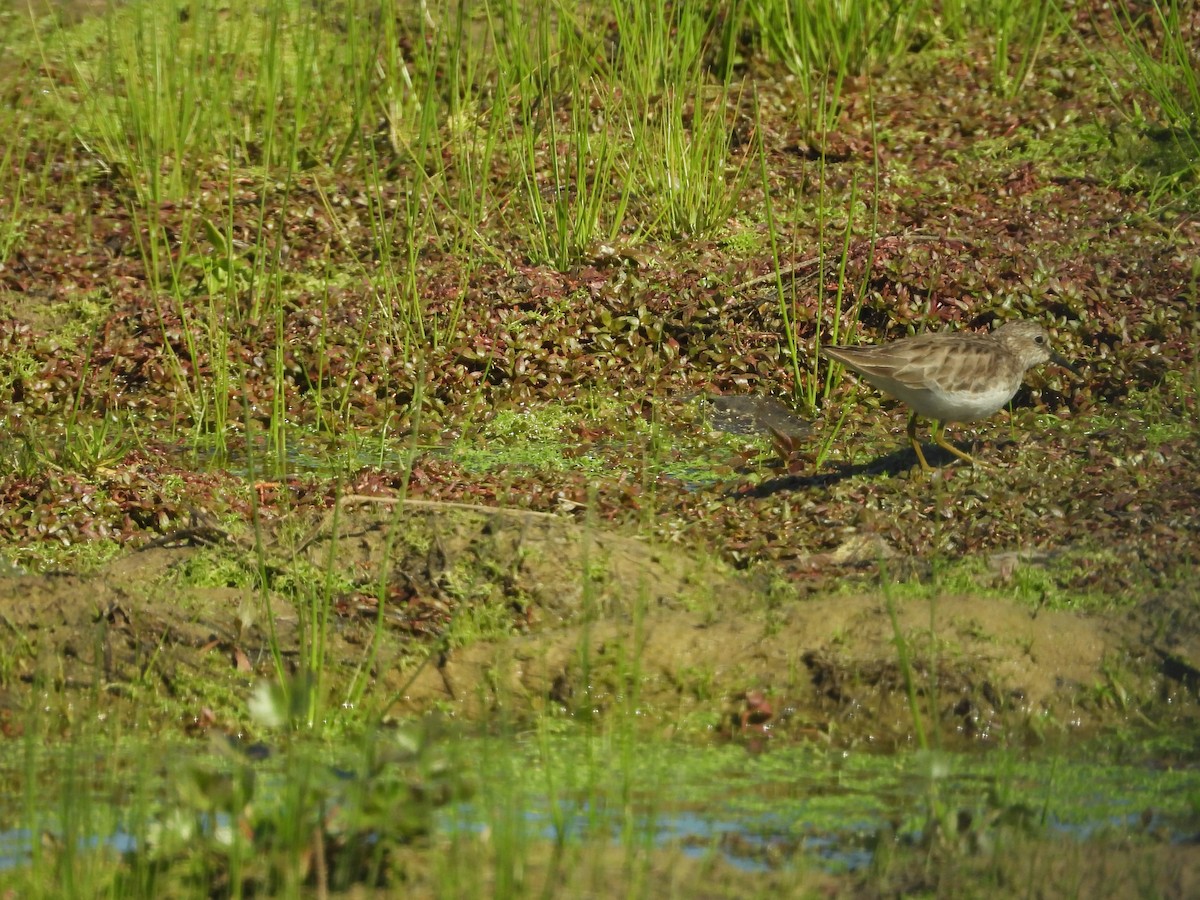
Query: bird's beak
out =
(1060, 361)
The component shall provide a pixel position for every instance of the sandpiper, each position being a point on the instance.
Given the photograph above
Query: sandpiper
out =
(951, 376)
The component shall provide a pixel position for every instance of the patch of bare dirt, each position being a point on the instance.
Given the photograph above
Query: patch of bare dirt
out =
(596, 621)
(829, 664)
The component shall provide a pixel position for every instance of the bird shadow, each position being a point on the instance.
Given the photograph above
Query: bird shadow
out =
(893, 464)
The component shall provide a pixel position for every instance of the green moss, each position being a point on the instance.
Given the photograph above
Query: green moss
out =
(81, 557)
(1037, 582)
(541, 439)
(216, 567)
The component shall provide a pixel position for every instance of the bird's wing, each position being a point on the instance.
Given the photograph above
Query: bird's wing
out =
(908, 362)
(918, 362)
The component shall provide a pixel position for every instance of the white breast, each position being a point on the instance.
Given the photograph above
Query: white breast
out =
(953, 406)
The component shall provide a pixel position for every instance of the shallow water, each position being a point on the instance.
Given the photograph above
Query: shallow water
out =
(800, 804)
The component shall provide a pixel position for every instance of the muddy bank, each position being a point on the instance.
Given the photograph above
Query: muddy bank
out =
(580, 621)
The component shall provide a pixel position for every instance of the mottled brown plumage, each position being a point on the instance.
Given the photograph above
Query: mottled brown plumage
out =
(951, 376)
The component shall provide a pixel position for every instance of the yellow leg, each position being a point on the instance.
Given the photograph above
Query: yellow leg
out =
(939, 437)
(916, 445)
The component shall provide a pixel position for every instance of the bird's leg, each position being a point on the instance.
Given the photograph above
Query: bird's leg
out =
(916, 445)
(939, 438)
